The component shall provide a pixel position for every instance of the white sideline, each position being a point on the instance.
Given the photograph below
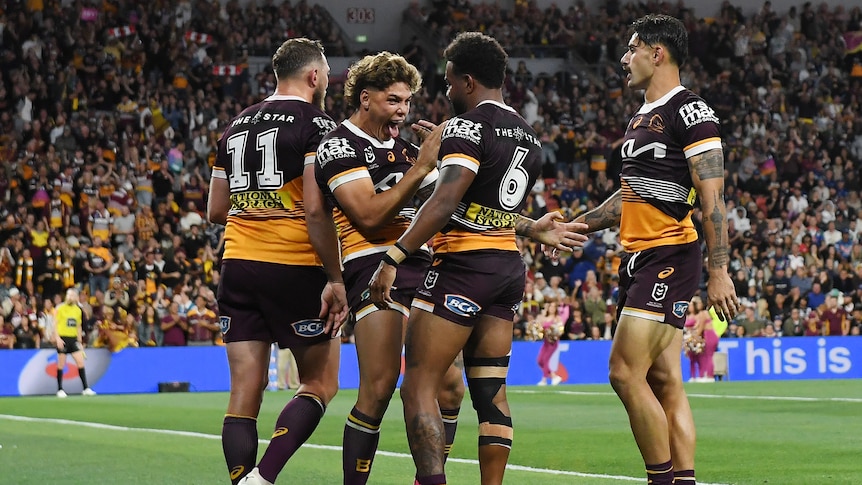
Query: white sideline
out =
(192, 434)
(705, 396)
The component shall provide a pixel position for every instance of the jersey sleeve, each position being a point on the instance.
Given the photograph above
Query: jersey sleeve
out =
(699, 127)
(461, 144)
(320, 126)
(338, 163)
(220, 167)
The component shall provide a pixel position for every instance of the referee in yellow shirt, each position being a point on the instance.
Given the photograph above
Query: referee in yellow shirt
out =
(69, 318)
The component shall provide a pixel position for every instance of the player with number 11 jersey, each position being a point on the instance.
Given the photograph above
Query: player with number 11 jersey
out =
(263, 154)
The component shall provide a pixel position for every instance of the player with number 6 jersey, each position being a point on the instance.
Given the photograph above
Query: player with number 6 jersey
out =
(490, 159)
(495, 143)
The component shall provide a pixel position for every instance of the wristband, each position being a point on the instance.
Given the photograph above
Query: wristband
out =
(396, 255)
(388, 260)
(402, 249)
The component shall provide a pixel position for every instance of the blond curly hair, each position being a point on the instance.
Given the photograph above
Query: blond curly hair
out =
(379, 71)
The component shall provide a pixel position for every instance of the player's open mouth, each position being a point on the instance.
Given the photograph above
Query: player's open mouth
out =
(392, 128)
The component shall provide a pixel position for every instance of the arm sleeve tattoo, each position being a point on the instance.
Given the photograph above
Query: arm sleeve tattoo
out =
(604, 216)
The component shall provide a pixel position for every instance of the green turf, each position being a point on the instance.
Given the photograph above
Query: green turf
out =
(748, 433)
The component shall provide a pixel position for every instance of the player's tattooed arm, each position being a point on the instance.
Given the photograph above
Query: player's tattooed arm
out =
(707, 165)
(719, 251)
(604, 216)
(707, 174)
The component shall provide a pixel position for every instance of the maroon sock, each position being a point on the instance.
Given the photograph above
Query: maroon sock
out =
(432, 480)
(239, 442)
(661, 474)
(450, 426)
(295, 424)
(361, 434)
(684, 477)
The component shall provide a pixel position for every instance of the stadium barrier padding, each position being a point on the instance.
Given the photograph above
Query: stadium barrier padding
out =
(140, 370)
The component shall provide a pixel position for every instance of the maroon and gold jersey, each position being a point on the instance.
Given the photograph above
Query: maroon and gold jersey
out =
(657, 190)
(494, 142)
(348, 154)
(262, 154)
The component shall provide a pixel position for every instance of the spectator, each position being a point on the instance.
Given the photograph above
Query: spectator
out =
(175, 327)
(751, 324)
(97, 266)
(150, 332)
(203, 323)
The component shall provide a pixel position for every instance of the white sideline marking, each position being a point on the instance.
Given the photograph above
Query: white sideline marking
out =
(705, 396)
(193, 434)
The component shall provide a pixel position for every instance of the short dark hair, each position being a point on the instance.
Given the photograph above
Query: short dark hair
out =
(379, 71)
(295, 54)
(654, 29)
(480, 56)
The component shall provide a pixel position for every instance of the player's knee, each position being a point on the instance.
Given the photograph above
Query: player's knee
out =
(486, 378)
(376, 396)
(452, 392)
(620, 375)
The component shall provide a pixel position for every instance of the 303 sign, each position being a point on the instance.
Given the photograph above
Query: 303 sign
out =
(360, 15)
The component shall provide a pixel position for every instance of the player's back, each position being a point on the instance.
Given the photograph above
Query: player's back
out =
(495, 142)
(262, 154)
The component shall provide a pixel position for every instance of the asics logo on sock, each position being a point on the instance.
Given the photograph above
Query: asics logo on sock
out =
(279, 432)
(236, 472)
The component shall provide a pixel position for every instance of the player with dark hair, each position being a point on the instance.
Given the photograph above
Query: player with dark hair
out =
(467, 300)
(672, 155)
(277, 236)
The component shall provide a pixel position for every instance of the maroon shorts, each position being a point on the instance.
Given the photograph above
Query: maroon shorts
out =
(657, 283)
(461, 287)
(357, 275)
(271, 302)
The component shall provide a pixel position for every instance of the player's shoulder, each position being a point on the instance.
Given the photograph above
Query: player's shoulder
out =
(341, 131)
(686, 96)
(473, 125)
(340, 143)
(691, 109)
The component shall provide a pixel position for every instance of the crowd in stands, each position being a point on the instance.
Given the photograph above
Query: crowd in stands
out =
(110, 114)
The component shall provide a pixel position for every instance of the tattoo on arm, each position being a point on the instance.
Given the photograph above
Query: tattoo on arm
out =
(708, 165)
(524, 226)
(606, 215)
(718, 254)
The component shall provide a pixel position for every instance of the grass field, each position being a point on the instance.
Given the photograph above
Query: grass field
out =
(785, 433)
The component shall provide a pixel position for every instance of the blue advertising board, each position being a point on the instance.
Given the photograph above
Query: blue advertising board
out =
(140, 370)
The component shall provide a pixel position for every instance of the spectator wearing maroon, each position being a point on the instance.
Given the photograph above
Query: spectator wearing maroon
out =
(175, 327)
(203, 323)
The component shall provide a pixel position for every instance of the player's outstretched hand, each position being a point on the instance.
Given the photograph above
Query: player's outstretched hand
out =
(381, 284)
(333, 307)
(554, 234)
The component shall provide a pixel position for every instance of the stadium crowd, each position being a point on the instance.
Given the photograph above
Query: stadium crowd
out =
(110, 123)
